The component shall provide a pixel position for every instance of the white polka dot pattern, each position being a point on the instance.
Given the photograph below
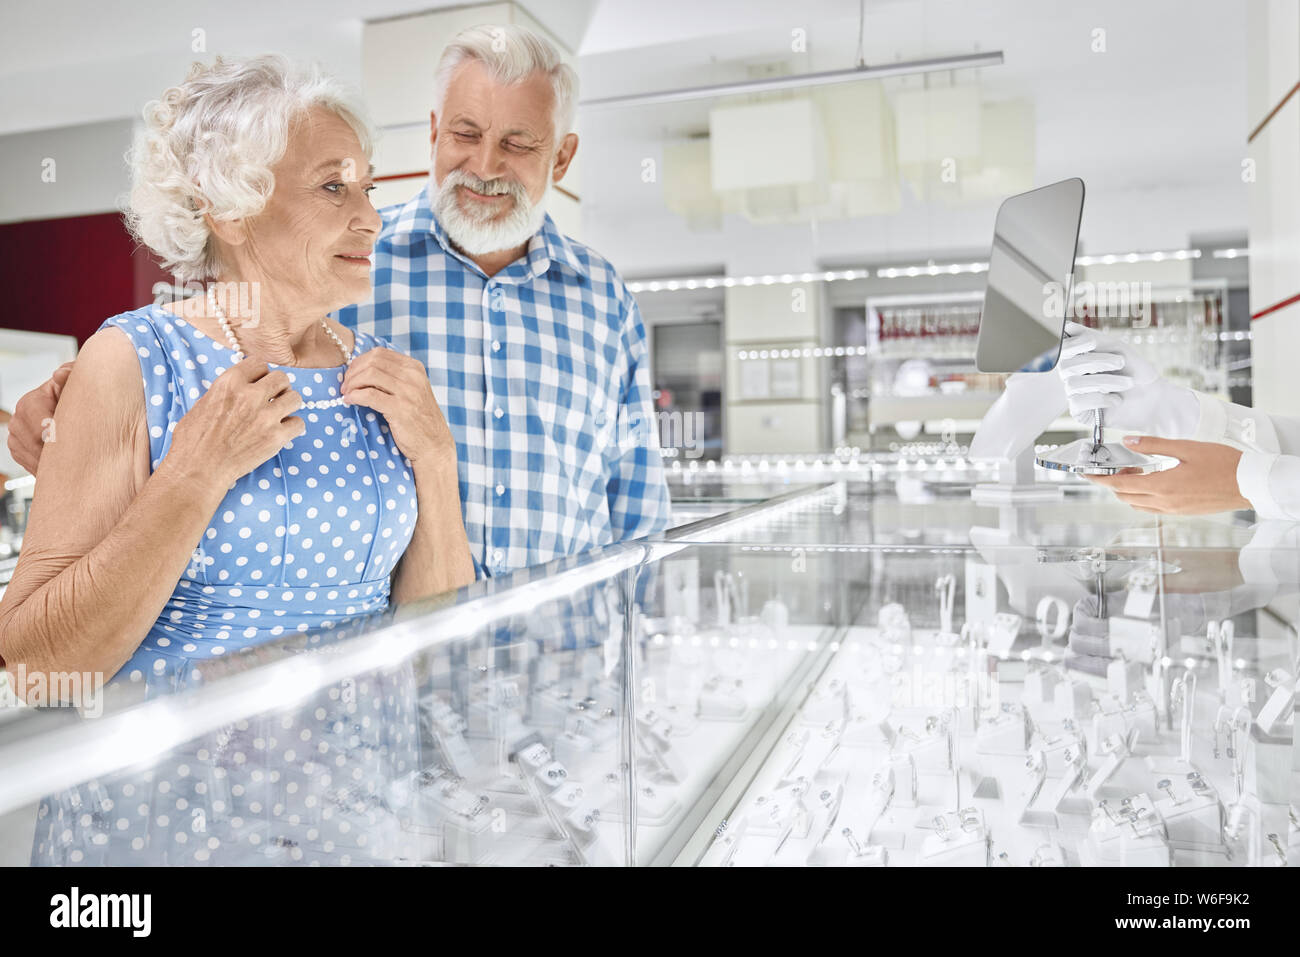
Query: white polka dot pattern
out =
(305, 541)
(301, 787)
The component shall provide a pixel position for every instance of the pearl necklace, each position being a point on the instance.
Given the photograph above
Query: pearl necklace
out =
(217, 311)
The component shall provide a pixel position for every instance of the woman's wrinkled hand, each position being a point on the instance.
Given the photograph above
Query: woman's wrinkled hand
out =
(397, 386)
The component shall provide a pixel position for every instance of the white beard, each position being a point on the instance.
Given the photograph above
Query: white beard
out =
(477, 235)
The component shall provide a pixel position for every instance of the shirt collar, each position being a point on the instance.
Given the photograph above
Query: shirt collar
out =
(547, 247)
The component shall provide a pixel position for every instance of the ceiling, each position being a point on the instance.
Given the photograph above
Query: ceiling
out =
(1156, 125)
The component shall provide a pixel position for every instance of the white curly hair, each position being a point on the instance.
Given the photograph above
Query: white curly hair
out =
(207, 148)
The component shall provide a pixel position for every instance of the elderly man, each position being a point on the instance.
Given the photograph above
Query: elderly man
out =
(535, 348)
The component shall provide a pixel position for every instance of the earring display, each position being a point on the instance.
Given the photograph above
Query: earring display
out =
(1073, 743)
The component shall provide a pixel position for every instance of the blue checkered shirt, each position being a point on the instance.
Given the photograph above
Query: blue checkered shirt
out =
(542, 373)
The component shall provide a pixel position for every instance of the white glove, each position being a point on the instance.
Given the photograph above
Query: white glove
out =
(1138, 401)
(1020, 415)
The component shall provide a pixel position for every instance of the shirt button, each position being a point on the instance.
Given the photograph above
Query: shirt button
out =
(496, 345)
(497, 412)
(498, 555)
(501, 490)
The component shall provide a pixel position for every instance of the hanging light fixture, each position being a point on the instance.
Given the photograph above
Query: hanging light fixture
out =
(802, 81)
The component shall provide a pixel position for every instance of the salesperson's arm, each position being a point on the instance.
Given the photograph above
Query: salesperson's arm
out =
(1268, 473)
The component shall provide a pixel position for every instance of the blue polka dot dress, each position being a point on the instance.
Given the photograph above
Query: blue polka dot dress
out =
(304, 543)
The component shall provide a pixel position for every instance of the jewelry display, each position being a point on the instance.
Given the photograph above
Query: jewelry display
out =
(1075, 766)
(1278, 848)
(1035, 778)
(1002, 634)
(1047, 855)
(1233, 726)
(945, 588)
(1280, 707)
(1192, 817)
(1115, 750)
(1125, 679)
(854, 723)
(1053, 619)
(960, 839)
(930, 750)
(1132, 638)
(1140, 593)
(855, 847)
(775, 614)
(902, 772)
(1243, 819)
(1221, 636)
(1183, 694)
(1054, 750)
(1130, 834)
(731, 840)
(896, 629)
(1006, 732)
(1040, 686)
(722, 699)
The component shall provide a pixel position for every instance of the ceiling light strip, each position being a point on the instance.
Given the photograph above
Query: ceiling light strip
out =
(906, 271)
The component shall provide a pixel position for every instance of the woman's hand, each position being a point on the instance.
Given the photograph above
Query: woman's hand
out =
(244, 418)
(397, 386)
(1204, 481)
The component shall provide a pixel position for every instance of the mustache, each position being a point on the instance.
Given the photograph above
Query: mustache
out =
(487, 187)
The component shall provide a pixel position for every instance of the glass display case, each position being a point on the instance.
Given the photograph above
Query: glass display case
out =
(852, 673)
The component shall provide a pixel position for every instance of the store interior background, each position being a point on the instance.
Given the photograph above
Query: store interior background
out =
(809, 273)
(790, 251)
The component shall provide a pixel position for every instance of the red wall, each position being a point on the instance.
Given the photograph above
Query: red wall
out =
(69, 275)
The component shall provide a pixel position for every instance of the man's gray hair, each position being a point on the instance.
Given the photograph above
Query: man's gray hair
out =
(511, 54)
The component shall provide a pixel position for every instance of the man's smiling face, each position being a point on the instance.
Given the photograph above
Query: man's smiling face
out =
(495, 157)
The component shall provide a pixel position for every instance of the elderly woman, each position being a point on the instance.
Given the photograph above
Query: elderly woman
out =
(233, 467)
(276, 472)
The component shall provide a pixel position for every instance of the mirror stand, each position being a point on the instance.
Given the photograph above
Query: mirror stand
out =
(1096, 457)
(1016, 485)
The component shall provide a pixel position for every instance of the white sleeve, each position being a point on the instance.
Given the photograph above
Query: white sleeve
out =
(1268, 474)
(1246, 428)
(1271, 483)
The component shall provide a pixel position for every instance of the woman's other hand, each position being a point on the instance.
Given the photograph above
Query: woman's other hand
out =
(240, 422)
(397, 386)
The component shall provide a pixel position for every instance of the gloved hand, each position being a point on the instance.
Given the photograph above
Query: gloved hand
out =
(1136, 401)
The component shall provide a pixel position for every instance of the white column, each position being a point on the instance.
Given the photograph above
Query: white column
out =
(1273, 102)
